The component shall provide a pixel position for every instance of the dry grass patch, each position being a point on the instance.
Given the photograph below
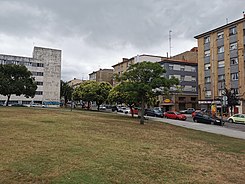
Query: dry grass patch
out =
(59, 146)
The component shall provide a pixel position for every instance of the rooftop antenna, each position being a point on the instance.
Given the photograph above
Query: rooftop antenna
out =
(170, 43)
(226, 20)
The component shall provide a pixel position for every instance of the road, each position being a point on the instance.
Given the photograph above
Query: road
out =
(235, 126)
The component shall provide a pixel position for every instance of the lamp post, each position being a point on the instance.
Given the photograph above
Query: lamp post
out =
(222, 101)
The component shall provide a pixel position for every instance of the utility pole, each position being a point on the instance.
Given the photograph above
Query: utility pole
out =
(170, 47)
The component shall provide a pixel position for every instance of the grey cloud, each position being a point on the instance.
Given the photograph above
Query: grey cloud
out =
(111, 28)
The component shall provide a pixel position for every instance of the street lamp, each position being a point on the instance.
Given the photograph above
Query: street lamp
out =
(222, 100)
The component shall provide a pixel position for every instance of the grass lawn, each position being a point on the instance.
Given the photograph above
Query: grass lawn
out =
(60, 146)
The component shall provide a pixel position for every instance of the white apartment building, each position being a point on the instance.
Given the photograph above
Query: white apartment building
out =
(45, 66)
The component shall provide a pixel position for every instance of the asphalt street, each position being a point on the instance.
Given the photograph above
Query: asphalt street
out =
(231, 130)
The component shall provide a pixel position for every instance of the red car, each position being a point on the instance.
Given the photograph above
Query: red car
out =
(174, 115)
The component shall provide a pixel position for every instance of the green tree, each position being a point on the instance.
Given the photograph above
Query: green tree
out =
(92, 91)
(102, 90)
(232, 99)
(66, 92)
(120, 95)
(146, 80)
(16, 79)
(85, 92)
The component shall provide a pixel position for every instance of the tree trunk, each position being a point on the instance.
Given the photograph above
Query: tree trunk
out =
(66, 100)
(131, 110)
(88, 107)
(98, 107)
(8, 97)
(142, 111)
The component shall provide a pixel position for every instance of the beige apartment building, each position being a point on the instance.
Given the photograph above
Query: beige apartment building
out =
(121, 67)
(102, 75)
(75, 82)
(45, 66)
(221, 63)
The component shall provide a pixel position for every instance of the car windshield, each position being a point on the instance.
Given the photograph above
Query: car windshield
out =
(177, 113)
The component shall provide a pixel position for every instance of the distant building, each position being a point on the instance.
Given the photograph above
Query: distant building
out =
(187, 55)
(75, 82)
(221, 59)
(186, 96)
(102, 75)
(45, 66)
(121, 67)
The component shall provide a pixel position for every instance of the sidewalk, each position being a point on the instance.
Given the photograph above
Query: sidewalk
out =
(204, 127)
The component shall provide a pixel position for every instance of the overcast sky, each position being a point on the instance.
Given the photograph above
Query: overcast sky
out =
(94, 34)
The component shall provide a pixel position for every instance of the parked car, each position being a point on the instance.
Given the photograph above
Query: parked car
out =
(187, 111)
(102, 107)
(237, 118)
(125, 110)
(174, 115)
(17, 105)
(114, 108)
(135, 110)
(196, 111)
(154, 112)
(202, 118)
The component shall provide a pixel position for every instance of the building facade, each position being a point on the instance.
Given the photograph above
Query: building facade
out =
(102, 75)
(75, 82)
(186, 96)
(45, 66)
(221, 59)
(121, 67)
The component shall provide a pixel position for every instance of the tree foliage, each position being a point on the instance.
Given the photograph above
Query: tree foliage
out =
(66, 91)
(16, 79)
(92, 91)
(232, 99)
(119, 95)
(145, 80)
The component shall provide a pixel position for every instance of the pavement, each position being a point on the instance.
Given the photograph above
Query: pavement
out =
(203, 127)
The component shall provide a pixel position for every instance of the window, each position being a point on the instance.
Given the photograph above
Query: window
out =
(182, 78)
(193, 98)
(221, 49)
(207, 53)
(171, 67)
(39, 83)
(193, 69)
(194, 89)
(181, 98)
(208, 94)
(221, 64)
(207, 39)
(221, 77)
(207, 66)
(234, 61)
(37, 64)
(39, 93)
(220, 35)
(207, 79)
(182, 68)
(235, 91)
(221, 92)
(234, 76)
(233, 46)
(193, 79)
(233, 31)
(37, 73)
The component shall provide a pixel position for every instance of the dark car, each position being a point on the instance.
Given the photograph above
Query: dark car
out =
(114, 108)
(202, 118)
(154, 112)
(18, 105)
(174, 115)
